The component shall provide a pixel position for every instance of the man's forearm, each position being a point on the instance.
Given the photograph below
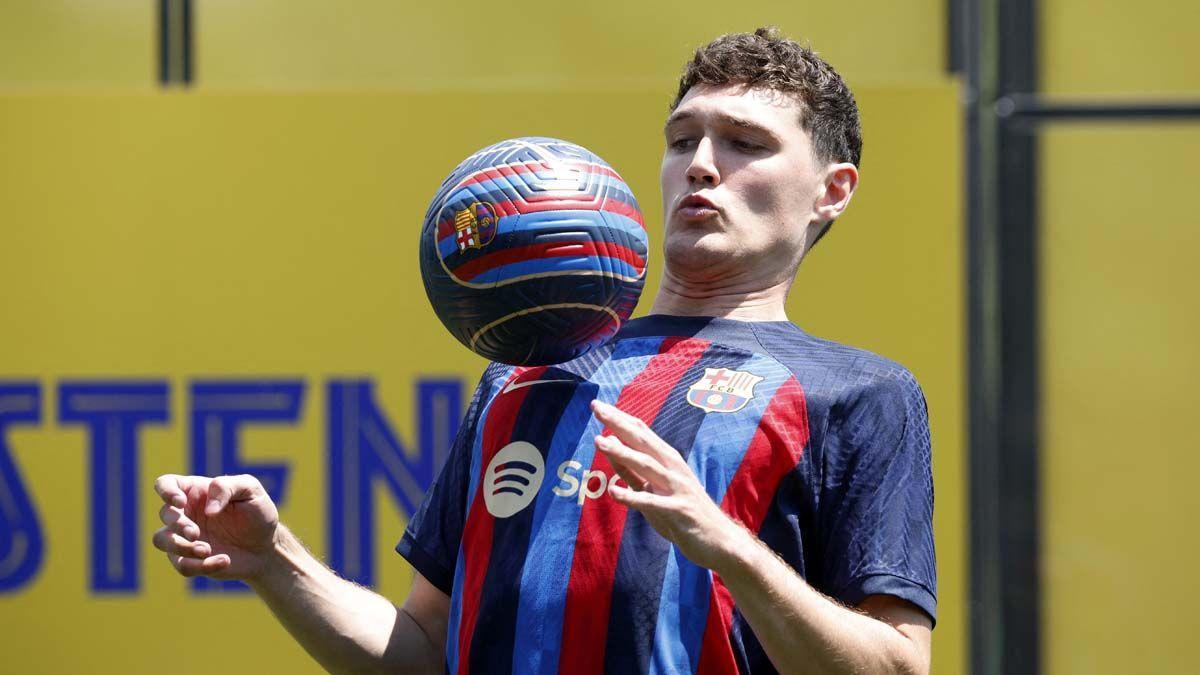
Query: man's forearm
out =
(804, 631)
(345, 627)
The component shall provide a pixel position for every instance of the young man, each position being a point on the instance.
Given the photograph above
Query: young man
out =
(714, 491)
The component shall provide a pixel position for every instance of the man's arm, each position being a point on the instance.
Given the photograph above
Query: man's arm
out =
(800, 629)
(805, 631)
(228, 528)
(348, 628)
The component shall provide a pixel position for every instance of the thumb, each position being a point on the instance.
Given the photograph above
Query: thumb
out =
(226, 489)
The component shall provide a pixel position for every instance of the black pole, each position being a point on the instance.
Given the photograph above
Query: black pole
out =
(186, 41)
(175, 42)
(983, 341)
(1027, 109)
(957, 30)
(164, 43)
(1019, 448)
(1002, 343)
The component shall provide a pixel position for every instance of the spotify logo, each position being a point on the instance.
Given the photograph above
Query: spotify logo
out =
(512, 479)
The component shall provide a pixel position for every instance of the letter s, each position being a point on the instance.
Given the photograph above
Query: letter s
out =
(21, 544)
(571, 482)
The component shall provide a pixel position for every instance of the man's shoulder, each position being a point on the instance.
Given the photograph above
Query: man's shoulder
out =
(833, 369)
(494, 376)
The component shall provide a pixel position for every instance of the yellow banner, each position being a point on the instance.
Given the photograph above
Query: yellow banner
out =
(228, 283)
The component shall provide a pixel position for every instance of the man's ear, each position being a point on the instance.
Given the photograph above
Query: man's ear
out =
(840, 182)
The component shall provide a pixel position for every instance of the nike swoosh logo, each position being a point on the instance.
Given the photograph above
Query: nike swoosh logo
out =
(529, 383)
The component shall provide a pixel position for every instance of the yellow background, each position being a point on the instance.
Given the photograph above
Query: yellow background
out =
(1120, 329)
(265, 224)
(456, 46)
(1117, 50)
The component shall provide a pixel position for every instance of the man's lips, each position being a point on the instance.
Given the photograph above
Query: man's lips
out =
(695, 206)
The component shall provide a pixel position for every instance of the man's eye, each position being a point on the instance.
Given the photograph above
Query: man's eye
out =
(682, 143)
(746, 146)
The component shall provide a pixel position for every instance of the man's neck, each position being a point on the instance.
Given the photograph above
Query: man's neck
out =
(748, 302)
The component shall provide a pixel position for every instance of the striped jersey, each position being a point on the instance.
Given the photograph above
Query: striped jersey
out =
(821, 449)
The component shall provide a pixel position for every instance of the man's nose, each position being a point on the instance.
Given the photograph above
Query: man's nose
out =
(703, 167)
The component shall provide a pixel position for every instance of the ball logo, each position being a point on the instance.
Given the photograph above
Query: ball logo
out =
(475, 225)
(512, 479)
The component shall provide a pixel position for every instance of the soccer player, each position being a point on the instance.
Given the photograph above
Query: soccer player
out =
(714, 491)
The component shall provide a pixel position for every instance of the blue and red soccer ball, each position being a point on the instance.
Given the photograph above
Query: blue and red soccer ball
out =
(533, 251)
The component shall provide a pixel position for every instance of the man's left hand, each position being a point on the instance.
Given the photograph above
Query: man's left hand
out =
(663, 488)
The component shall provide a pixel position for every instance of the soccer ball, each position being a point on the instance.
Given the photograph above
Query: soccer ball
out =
(533, 251)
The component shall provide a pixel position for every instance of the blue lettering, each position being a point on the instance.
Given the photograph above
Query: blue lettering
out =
(219, 409)
(112, 412)
(20, 533)
(363, 448)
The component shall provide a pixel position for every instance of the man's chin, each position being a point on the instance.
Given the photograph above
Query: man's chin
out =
(700, 255)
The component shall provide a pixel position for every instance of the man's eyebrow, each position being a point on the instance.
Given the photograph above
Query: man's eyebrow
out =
(723, 118)
(677, 117)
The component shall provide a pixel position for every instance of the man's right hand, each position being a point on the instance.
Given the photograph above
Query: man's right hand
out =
(220, 527)
(228, 528)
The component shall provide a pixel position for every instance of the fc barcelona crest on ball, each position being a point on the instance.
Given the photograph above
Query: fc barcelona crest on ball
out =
(475, 226)
(723, 390)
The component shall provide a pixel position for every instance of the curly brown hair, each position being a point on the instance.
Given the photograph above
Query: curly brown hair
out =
(767, 59)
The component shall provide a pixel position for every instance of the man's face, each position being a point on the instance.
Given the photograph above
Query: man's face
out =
(739, 185)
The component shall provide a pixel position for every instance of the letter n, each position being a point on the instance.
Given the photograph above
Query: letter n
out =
(364, 449)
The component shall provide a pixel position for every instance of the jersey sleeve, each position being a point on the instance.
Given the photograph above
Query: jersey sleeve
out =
(431, 539)
(876, 501)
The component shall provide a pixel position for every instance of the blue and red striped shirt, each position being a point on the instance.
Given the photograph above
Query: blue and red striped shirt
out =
(821, 449)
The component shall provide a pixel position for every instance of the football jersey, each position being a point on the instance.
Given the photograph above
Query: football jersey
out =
(820, 449)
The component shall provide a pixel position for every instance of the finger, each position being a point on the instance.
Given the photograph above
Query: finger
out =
(645, 502)
(171, 543)
(178, 522)
(191, 567)
(224, 490)
(173, 489)
(634, 432)
(643, 469)
(626, 473)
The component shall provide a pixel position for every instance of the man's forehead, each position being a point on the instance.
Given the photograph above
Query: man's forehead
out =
(738, 105)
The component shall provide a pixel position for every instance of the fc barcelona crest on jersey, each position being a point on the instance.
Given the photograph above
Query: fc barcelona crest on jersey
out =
(723, 390)
(475, 226)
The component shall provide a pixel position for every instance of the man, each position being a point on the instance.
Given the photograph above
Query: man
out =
(714, 491)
